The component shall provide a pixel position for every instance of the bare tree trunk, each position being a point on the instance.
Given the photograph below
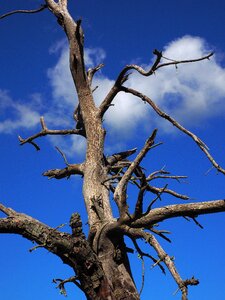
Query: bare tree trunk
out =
(100, 261)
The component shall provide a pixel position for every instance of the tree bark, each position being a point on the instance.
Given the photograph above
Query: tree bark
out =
(100, 261)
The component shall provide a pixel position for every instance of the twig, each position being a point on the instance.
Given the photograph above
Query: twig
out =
(154, 200)
(143, 254)
(61, 285)
(24, 11)
(30, 142)
(36, 247)
(197, 223)
(92, 71)
(161, 233)
(7, 210)
(177, 62)
(163, 256)
(156, 190)
(63, 155)
(142, 275)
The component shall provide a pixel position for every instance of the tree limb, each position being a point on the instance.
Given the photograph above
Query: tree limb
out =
(114, 158)
(71, 169)
(24, 11)
(177, 62)
(73, 249)
(34, 230)
(179, 210)
(157, 191)
(164, 115)
(163, 256)
(123, 76)
(120, 192)
(45, 131)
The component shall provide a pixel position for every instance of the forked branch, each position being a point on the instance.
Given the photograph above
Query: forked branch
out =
(91, 72)
(120, 192)
(45, 131)
(123, 76)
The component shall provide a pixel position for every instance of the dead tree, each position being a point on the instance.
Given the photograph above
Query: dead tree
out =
(99, 262)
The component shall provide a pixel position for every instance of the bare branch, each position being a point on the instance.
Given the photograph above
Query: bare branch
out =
(142, 254)
(161, 233)
(123, 76)
(158, 196)
(163, 256)
(7, 210)
(157, 66)
(45, 131)
(197, 223)
(91, 72)
(177, 62)
(157, 191)
(162, 174)
(140, 69)
(61, 285)
(73, 249)
(32, 229)
(120, 192)
(162, 114)
(63, 155)
(73, 169)
(107, 102)
(114, 158)
(180, 210)
(139, 204)
(24, 11)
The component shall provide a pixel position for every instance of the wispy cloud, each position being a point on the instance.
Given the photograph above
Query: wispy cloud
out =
(15, 115)
(191, 93)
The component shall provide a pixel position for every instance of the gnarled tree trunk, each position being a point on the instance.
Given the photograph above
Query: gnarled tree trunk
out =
(100, 262)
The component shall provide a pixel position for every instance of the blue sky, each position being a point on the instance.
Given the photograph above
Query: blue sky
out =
(34, 81)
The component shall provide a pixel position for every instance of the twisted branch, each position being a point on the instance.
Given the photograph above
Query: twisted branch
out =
(123, 76)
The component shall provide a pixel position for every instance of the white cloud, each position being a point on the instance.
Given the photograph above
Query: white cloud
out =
(192, 93)
(16, 115)
(63, 88)
(188, 93)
